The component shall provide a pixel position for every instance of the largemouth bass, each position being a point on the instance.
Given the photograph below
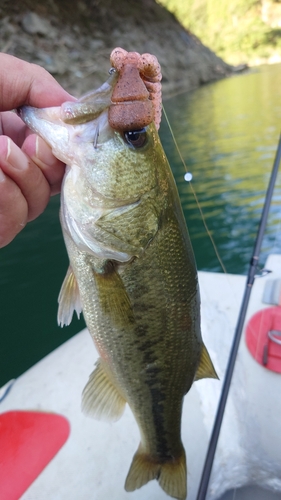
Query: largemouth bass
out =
(132, 269)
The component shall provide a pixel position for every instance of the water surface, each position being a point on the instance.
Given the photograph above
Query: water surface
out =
(227, 133)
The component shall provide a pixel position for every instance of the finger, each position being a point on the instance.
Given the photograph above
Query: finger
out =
(26, 83)
(41, 154)
(26, 175)
(12, 126)
(13, 210)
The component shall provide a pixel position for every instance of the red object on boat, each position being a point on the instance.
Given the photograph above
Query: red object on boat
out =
(263, 338)
(28, 441)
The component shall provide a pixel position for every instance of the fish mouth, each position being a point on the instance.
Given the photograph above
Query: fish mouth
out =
(47, 123)
(28, 114)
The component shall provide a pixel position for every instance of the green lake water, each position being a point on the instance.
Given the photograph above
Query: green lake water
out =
(227, 133)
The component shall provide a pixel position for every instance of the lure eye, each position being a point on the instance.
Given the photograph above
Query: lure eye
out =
(136, 138)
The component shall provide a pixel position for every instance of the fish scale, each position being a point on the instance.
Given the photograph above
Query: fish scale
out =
(133, 273)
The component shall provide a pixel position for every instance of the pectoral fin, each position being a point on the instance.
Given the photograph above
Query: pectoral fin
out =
(113, 297)
(206, 368)
(69, 299)
(101, 399)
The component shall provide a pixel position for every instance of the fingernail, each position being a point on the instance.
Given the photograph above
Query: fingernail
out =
(3, 147)
(43, 152)
(15, 157)
(2, 176)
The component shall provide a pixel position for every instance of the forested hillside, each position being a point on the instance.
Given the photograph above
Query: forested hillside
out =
(239, 31)
(73, 41)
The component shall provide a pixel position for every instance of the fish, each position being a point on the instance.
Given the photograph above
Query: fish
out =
(132, 269)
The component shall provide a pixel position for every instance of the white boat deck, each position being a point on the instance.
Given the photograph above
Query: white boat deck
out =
(93, 463)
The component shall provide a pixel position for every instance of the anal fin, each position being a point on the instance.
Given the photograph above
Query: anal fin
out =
(205, 368)
(69, 299)
(101, 398)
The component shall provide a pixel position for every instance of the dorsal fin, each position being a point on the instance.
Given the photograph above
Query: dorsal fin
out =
(205, 368)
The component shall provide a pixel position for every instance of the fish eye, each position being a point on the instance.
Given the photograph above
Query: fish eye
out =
(136, 138)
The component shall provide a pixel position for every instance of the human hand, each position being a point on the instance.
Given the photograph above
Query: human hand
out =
(29, 173)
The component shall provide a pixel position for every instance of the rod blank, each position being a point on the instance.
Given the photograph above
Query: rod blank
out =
(203, 487)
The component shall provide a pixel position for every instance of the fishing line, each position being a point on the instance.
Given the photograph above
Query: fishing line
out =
(207, 469)
(188, 177)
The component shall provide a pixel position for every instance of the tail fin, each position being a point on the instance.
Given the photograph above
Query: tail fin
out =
(171, 474)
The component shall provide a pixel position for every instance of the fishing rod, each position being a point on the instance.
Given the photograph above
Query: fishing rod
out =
(203, 487)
